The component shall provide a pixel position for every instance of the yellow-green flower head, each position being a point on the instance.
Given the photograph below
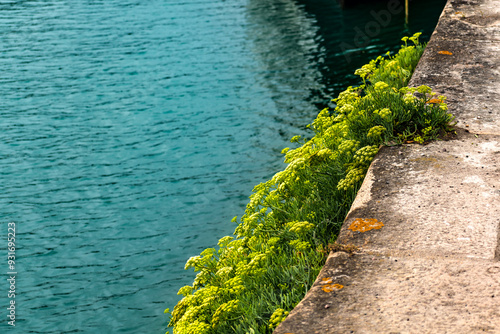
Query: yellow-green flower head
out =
(323, 119)
(424, 89)
(277, 317)
(300, 246)
(365, 155)
(405, 90)
(392, 64)
(252, 219)
(273, 241)
(296, 164)
(324, 153)
(427, 130)
(185, 290)
(346, 109)
(192, 262)
(348, 146)
(300, 227)
(234, 285)
(280, 176)
(383, 113)
(350, 95)
(409, 98)
(224, 241)
(201, 278)
(339, 118)
(381, 86)
(272, 198)
(224, 271)
(376, 131)
(223, 311)
(354, 176)
(195, 327)
(415, 37)
(365, 70)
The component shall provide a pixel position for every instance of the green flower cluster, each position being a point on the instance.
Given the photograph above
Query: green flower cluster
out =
(384, 113)
(365, 70)
(255, 267)
(325, 153)
(224, 271)
(250, 282)
(352, 178)
(376, 131)
(197, 327)
(381, 86)
(277, 317)
(234, 285)
(300, 227)
(365, 155)
(300, 246)
(348, 146)
(223, 310)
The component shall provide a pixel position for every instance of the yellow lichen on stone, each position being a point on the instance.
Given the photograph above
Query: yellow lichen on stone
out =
(445, 53)
(365, 224)
(332, 287)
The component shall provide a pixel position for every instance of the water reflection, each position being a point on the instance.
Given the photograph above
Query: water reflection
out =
(364, 31)
(329, 43)
(286, 45)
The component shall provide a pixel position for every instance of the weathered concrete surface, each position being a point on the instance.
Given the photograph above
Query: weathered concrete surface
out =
(470, 77)
(434, 265)
(399, 294)
(442, 199)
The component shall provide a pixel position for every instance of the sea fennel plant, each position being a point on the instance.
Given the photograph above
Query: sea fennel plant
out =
(250, 282)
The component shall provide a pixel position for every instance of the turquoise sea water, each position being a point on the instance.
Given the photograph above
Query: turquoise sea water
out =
(133, 131)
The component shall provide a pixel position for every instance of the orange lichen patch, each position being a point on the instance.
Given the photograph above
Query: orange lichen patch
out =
(365, 224)
(326, 280)
(435, 101)
(332, 287)
(445, 53)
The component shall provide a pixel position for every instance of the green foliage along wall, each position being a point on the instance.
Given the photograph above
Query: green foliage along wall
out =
(250, 282)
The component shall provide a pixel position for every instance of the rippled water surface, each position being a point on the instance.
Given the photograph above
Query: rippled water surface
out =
(133, 131)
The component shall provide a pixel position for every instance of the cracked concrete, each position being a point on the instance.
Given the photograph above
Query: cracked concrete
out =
(434, 265)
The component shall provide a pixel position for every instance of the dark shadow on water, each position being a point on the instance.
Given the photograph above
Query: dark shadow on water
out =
(318, 45)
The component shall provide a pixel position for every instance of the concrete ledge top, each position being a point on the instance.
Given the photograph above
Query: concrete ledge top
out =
(469, 77)
(419, 251)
